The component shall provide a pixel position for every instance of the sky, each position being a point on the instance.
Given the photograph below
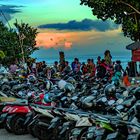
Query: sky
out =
(65, 25)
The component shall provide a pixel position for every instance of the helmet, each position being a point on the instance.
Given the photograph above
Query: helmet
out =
(137, 93)
(110, 90)
(61, 84)
(69, 87)
(47, 98)
(32, 78)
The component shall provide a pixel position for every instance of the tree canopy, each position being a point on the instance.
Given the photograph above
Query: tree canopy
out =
(28, 34)
(124, 12)
(17, 43)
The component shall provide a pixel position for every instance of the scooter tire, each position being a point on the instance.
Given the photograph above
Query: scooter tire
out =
(7, 128)
(40, 132)
(18, 127)
(31, 129)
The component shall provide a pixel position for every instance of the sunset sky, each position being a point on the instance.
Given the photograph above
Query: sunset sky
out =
(66, 25)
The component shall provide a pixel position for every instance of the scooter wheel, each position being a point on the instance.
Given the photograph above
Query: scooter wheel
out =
(18, 126)
(31, 129)
(7, 128)
(8, 125)
(42, 133)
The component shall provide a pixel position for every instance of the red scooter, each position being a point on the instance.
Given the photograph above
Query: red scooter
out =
(19, 115)
(15, 119)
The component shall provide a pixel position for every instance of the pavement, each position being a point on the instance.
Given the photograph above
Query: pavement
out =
(4, 135)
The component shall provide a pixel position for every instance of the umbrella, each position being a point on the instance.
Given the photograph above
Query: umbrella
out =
(133, 46)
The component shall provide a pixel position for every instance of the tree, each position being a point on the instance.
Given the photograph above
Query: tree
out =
(123, 12)
(26, 36)
(17, 44)
(8, 44)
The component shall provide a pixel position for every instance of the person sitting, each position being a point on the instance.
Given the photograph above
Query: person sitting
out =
(56, 67)
(84, 68)
(67, 68)
(102, 69)
(76, 66)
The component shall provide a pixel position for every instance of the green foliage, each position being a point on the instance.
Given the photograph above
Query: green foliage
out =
(123, 12)
(2, 55)
(12, 45)
(28, 34)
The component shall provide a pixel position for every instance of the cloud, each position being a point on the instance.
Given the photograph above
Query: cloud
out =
(8, 11)
(84, 25)
(55, 40)
(68, 45)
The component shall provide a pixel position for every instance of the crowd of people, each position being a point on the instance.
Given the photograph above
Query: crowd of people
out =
(104, 67)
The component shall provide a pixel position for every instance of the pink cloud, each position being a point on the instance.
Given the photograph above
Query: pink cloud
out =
(53, 40)
(68, 45)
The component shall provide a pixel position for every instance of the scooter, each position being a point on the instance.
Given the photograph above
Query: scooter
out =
(15, 119)
(39, 116)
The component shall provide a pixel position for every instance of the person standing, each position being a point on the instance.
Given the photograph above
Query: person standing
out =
(118, 67)
(108, 57)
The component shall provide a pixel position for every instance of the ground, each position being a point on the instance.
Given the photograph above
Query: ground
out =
(7, 136)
